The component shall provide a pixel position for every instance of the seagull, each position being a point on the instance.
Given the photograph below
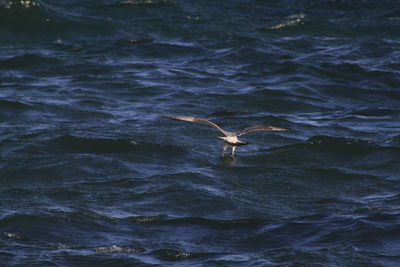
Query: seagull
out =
(231, 138)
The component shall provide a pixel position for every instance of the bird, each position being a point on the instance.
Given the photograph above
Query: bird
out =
(231, 138)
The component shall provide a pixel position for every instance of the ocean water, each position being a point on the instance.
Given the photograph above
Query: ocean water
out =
(92, 175)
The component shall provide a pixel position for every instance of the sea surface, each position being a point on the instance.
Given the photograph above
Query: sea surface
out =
(92, 175)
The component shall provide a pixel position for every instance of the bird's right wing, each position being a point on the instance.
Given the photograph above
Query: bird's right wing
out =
(193, 119)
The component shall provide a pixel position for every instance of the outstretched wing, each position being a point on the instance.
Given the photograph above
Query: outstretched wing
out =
(260, 128)
(193, 119)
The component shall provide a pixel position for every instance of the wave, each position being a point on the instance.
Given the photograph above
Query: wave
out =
(23, 15)
(343, 145)
(292, 21)
(290, 101)
(216, 223)
(29, 61)
(144, 3)
(320, 230)
(329, 156)
(180, 255)
(118, 249)
(323, 140)
(15, 236)
(376, 112)
(86, 233)
(75, 144)
(6, 105)
(94, 145)
(164, 220)
(35, 20)
(12, 108)
(19, 4)
(393, 141)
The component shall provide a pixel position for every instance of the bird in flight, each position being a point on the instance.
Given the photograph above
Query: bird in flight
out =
(231, 138)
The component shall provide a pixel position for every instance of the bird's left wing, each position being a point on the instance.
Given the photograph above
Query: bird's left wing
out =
(198, 120)
(260, 128)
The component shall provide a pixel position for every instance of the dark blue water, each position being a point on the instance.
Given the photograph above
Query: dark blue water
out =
(91, 175)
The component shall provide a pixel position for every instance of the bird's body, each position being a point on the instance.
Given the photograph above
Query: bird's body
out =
(231, 138)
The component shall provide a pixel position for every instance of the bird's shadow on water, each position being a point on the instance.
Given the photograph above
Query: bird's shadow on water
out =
(214, 158)
(228, 160)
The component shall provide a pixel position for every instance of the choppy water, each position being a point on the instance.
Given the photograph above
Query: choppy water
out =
(90, 174)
